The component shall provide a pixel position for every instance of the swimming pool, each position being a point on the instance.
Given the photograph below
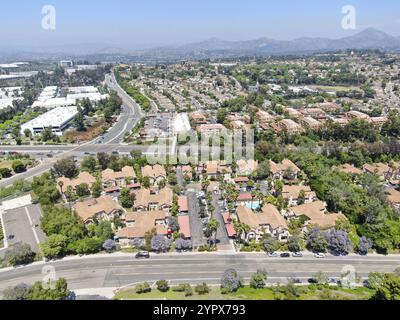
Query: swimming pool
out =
(254, 206)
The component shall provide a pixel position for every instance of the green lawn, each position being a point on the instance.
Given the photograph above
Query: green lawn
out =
(247, 293)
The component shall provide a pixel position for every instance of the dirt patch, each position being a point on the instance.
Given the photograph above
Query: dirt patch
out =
(92, 131)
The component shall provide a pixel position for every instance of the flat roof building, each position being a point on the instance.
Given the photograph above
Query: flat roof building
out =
(56, 119)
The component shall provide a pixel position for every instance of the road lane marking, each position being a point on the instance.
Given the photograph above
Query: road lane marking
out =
(32, 226)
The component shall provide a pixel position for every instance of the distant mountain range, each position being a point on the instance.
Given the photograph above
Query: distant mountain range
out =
(367, 39)
(217, 48)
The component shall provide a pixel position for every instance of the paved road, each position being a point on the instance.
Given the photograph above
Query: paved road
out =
(131, 114)
(116, 270)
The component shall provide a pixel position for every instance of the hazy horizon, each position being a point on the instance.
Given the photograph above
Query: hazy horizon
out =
(134, 25)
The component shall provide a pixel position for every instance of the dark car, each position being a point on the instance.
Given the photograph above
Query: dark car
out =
(143, 255)
(285, 255)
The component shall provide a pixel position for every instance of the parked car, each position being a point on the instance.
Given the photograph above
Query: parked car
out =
(334, 281)
(319, 255)
(272, 254)
(285, 255)
(143, 254)
(297, 254)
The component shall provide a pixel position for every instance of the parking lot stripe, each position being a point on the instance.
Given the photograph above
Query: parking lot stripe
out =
(5, 240)
(33, 227)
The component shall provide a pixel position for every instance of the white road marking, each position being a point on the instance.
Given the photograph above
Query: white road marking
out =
(33, 227)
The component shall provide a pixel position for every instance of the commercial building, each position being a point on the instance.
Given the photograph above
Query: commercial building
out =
(56, 119)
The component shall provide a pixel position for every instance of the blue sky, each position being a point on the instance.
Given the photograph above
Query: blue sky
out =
(144, 23)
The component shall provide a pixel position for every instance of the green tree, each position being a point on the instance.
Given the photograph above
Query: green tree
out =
(96, 189)
(258, 280)
(389, 288)
(18, 166)
(57, 291)
(54, 246)
(126, 198)
(19, 254)
(66, 168)
(162, 285)
(82, 190)
(89, 164)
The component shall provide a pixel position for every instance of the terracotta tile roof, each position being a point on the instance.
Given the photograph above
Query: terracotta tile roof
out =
(83, 177)
(315, 211)
(144, 197)
(269, 215)
(393, 196)
(126, 172)
(285, 165)
(244, 197)
(247, 167)
(184, 226)
(111, 189)
(142, 222)
(241, 179)
(183, 204)
(293, 191)
(88, 209)
(381, 168)
(155, 171)
(348, 168)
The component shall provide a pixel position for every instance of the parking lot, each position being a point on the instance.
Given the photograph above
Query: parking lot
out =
(23, 225)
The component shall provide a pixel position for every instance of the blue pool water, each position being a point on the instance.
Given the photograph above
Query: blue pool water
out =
(254, 206)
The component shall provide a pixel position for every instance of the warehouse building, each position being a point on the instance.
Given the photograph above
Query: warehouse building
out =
(56, 119)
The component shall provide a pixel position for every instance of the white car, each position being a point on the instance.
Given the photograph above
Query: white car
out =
(319, 255)
(272, 254)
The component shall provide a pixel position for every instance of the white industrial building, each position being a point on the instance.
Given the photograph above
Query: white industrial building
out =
(48, 98)
(8, 102)
(10, 92)
(86, 89)
(181, 123)
(92, 96)
(54, 103)
(56, 119)
(48, 93)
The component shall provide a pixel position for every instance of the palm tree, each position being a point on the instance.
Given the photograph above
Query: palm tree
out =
(241, 229)
(213, 226)
(204, 184)
(61, 185)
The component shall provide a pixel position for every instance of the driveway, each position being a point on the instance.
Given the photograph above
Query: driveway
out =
(196, 227)
(222, 235)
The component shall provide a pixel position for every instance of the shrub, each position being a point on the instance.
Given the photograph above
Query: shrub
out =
(316, 242)
(230, 281)
(109, 245)
(142, 288)
(364, 245)
(162, 285)
(188, 291)
(271, 245)
(20, 254)
(258, 279)
(202, 289)
(338, 242)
